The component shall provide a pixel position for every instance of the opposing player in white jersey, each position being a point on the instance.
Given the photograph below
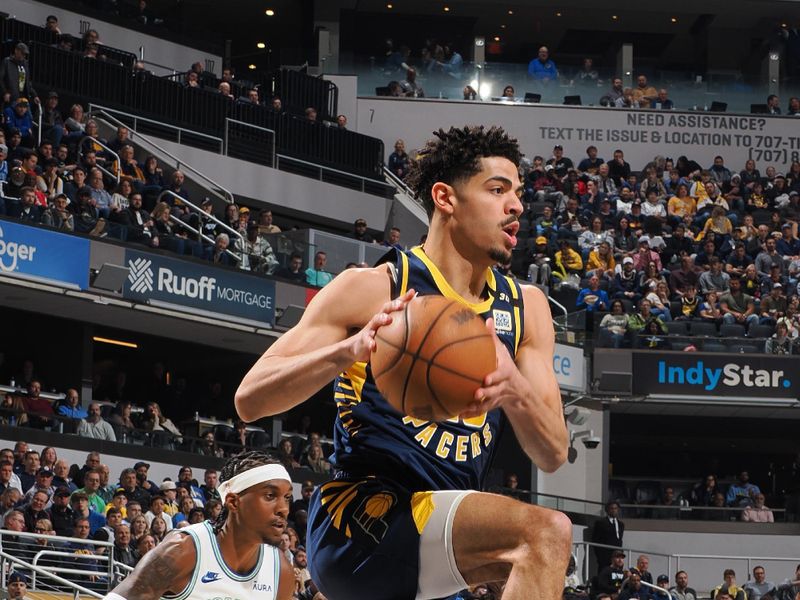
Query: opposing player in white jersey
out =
(235, 557)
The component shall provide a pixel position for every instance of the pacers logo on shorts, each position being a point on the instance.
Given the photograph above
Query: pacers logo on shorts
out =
(369, 515)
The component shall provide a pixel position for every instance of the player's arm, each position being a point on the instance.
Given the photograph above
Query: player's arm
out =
(527, 389)
(166, 568)
(286, 582)
(337, 329)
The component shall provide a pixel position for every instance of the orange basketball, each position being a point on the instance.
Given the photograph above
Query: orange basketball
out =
(433, 356)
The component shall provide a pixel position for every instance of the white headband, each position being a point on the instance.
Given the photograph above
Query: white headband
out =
(251, 477)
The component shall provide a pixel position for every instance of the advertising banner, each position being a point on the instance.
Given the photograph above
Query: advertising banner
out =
(569, 365)
(640, 134)
(721, 375)
(211, 289)
(29, 250)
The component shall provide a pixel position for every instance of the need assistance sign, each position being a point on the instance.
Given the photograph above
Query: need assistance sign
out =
(726, 375)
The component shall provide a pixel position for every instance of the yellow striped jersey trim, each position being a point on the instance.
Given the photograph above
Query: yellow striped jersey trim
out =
(447, 291)
(517, 325)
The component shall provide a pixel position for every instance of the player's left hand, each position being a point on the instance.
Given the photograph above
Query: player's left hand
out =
(503, 385)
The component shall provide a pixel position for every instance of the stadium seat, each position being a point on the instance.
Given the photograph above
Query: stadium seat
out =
(739, 348)
(533, 98)
(761, 331)
(627, 305)
(714, 347)
(675, 308)
(679, 346)
(701, 328)
(572, 100)
(537, 208)
(734, 331)
(678, 327)
(718, 107)
(759, 109)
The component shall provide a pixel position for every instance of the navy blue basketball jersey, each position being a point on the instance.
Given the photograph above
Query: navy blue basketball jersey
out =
(372, 438)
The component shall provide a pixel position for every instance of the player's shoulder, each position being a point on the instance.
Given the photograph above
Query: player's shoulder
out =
(356, 286)
(532, 296)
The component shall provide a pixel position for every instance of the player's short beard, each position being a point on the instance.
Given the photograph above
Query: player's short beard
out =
(500, 255)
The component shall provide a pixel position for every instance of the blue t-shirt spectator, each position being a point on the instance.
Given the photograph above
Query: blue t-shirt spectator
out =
(542, 68)
(593, 299)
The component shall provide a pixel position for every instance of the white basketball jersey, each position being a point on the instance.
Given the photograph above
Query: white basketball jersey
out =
(212, 579)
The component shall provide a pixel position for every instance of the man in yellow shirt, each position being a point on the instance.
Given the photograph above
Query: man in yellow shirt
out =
(568, 261)
(644, 94)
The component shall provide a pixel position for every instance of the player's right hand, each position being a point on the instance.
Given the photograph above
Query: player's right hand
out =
(361, 345)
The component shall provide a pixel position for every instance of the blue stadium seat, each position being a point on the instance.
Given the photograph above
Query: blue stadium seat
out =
(702, 328)
(733, 330)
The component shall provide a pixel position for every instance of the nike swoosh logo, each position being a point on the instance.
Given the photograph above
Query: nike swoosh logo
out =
(210, 577)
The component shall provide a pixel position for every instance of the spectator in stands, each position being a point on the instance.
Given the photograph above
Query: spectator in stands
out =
(137, 221)
(633, 588)
(773, 306)
(61, 476)
(61, 514)
(794, 106)
(106, 491)
(286, 454)
(646, 96)
(91, 487)
(94, 426)
(314, 459)
(742, 493)
(759, 587)
(118, 501)
(145, 544)
(121, 420)
(773, 104)
(52, 121)
(224, 89)
(166, 235)
(265, 224)
(35, 509)
(393, 239)
(15, 80)
(360, 232)
(615, 324)
(729, 585)
(8, 479)
(592, 298)
(209, 487)
(780, 342)
(310, 114)
(218, 253)
(80, 507)
(663, 101)
(208, 445)
(399, 162)
(29, 212)
(156, 513)
(31, 466)
(134, 493)
(122, 550)
(155, 421)
(43, 483)
(681, 589)
(758, 512)
(645, 256)
(195, 493)
(411, 88)
(736, 306)
(567, 261)
(609, 531)
(276, 105)
(715, 279)
(541, 68)
(129, 168)
(186, 505)
(317, 275)
(611, 575)
(618, 168)
(17, 586)
(293, 272)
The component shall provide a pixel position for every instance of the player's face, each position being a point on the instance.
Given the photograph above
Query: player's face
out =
(486, 211)
(264, 508)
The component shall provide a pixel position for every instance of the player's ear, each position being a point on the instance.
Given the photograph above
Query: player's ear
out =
(232, 502)
(443, 196)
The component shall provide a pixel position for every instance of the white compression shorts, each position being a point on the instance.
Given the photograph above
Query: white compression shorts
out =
(439, 576)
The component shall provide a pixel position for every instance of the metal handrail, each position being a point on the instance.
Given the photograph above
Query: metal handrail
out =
(55, 538)
(272, 131)
(199, 210)
(201, 235)
(107, 149)
(104, 110)
(659, 590)
(399, 183)
(324, 168)
(57, 578)
(225, 196)
(66, 570)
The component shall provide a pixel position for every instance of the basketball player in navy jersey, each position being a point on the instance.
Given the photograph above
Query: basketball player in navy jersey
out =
(235, 557)
(402, 519)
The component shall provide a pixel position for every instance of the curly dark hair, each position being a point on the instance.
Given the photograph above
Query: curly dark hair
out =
(236, 465)
(454, 155)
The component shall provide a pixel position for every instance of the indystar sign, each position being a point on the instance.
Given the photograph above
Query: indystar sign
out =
(692, 374)
(198, 285)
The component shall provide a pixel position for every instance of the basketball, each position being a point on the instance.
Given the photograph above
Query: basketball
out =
(431, 358)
